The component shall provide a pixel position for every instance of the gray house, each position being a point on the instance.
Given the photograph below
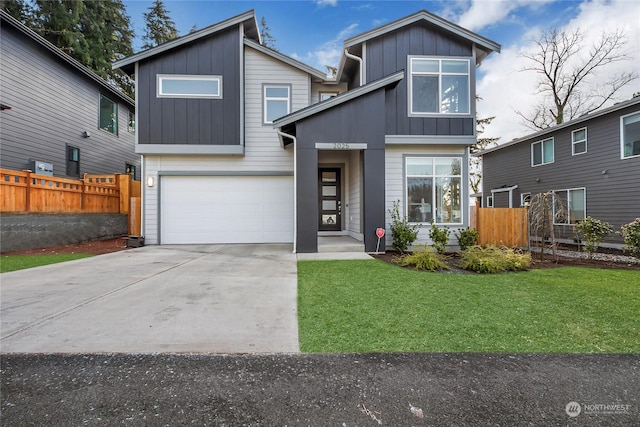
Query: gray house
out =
(242, 144)
(58, 117)
(591, 164)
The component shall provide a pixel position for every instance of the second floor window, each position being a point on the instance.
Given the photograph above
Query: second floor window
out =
(439, 86)
(108, 120)
(542, 152)
(630, 135)
(189, 86)
(276, 102)
(579, 141)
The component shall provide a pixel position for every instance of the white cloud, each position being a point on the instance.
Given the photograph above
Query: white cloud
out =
(323, 3)
(482, 13)
(504, 89)
(329, 52)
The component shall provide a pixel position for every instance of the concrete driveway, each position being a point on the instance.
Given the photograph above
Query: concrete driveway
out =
(156, 299)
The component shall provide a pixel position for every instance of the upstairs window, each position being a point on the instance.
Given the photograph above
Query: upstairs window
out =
(630, 135)
(579, 141)
(277, 102)
(189, 86)
(131, 125)
(438, 86)
(542, 152)
(108, 119)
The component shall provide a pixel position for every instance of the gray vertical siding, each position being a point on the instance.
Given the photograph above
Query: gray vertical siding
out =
(388, 54)
(613, 196)
(52, 104)
(193, 121)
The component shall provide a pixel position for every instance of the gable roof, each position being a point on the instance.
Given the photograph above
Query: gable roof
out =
(6, 18)
(319, 75)
(584, 118)
(248, 19)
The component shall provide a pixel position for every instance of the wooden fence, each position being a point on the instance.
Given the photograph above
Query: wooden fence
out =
(502, 226)
(27, 192)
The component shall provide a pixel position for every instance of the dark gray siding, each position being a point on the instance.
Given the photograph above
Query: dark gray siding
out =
(612, 184)
(193, 121)
(52, 104)
(388, 54)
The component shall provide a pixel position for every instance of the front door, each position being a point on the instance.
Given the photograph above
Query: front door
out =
(330, 203)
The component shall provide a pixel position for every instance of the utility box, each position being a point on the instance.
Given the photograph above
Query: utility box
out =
(135, 241)
(42, 168)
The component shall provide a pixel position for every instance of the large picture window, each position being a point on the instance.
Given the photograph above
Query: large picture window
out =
(630, 135)
(108, 119)
(439, 86)
(542, 152)
(434, 189)
(276, 102)
(570, 206)
(189, 86)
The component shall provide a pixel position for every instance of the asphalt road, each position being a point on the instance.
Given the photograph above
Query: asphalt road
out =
(320, 390)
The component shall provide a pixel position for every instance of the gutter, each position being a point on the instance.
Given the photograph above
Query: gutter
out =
(295, 186)
(357, 58)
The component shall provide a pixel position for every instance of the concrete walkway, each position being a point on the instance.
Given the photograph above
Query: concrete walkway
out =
(156, 299)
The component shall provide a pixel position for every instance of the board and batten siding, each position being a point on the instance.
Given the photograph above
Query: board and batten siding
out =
(52, 104)
(263, 151)
(395, 185)
(611, 183)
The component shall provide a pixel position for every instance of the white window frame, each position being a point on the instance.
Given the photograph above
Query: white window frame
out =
(622, 156)
(266, 98)
(578, 141)
(327, 95)
(161, 78)
(490, 201)
(525, 200)
(568, 192)
(439, 74)
(434, 190)
(541, 143)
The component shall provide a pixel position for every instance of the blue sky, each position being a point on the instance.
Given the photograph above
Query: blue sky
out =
(313, 32)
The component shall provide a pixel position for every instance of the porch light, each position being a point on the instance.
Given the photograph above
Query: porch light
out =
(149, 181)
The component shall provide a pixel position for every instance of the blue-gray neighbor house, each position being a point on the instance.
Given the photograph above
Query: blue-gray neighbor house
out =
(58, 117)
(242, 144)
(591, 164)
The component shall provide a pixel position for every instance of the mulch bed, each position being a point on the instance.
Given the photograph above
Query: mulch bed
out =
(97, 247)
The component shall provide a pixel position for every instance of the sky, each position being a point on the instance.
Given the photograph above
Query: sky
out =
(313, 31)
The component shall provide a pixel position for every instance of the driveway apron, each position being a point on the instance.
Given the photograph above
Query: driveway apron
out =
(156, 299)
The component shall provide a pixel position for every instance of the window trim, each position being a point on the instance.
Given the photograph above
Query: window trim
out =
(490, 201)
(567, 190)
(574, 141)
(329, 95)
(266, 86)
(622, 156)
(117, 111)
(541, 142)
(67, 160)
(131, 122)
(202, 77)
(461, 158)
(439, 113)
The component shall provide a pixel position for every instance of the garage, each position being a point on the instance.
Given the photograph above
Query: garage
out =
(226, 209)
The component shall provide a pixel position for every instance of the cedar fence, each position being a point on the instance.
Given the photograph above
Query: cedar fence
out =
(27, 192)
(501, 226)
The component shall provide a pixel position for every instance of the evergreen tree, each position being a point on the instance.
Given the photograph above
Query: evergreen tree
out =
(160, 28)
(19, 9)
(265, 35)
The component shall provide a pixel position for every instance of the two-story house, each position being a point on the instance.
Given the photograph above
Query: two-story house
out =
(58, 117)
(591, 164)
(243, 144)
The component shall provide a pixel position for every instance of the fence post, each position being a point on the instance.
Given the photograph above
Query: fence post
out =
(27, 197)
(123, 184)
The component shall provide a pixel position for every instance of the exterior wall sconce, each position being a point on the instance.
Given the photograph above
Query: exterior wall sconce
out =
(86, 134)
(149, 181)
(537, 179)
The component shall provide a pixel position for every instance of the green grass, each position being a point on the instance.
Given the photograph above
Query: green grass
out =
(373, 306)
(20, 262)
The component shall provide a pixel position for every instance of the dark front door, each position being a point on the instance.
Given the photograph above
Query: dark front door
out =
(330, 203)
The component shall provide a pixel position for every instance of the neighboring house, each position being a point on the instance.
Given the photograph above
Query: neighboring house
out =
(59, 118)
(592, 164)
(238, 148)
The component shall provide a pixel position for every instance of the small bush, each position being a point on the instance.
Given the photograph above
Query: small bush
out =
(425, 260)
(594, 232)
(439, 237)
(494, 260)
(403, 234)
(467, 238)
(631, 235)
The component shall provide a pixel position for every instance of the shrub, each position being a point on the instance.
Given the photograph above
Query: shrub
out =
(403, 234)
(467, 238)
(439, 237)
(425, 260)
(494, 260)
(631, 235)
(594, 231)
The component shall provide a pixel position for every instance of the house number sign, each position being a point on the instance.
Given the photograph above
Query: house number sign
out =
(341, 145)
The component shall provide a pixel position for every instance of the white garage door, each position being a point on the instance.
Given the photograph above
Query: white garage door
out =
(216, 209)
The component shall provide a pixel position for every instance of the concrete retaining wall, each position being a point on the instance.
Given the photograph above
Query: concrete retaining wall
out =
(30, 231)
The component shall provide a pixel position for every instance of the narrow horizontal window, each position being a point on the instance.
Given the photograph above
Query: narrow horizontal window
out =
(189, 86)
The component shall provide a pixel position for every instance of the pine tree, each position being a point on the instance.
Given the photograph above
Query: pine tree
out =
(160, 28)
(265, 35)
(19, 9)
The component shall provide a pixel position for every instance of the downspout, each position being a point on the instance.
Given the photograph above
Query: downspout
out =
(295, 186)
(357, 58)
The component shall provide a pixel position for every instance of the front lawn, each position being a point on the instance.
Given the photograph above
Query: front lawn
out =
(373, 306)
(20, 262)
